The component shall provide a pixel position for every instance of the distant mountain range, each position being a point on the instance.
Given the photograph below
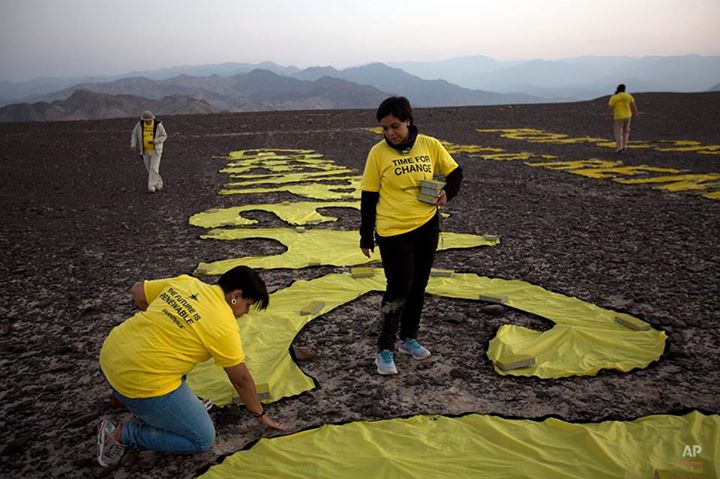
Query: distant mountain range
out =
(580, 78)
(260, 90)
(88, 105)
(476, 80)
(426, 93)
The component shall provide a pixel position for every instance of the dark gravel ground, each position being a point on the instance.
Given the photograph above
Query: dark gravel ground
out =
(78, 229)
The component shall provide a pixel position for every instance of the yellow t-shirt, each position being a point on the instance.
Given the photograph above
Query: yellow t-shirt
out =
(397, 177)
(148, 136)
(620, 103)
(187, 322)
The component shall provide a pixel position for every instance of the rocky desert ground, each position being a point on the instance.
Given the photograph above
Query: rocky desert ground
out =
(78, 229)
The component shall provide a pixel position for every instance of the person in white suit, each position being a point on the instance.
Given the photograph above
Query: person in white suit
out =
(147, 139)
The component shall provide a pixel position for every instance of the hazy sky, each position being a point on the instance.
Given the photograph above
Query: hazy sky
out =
(79, 37)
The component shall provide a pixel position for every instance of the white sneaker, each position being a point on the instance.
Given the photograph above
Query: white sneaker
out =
(110, 451)
(151, 189)
(385, 363)
(414, 349)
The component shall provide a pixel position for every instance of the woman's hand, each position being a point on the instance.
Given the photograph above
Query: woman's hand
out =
(442, 198)
(366, 251)
(271, 423)
(138, 295)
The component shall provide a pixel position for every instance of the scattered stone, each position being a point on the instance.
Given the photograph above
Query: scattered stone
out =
(632, 323)
(679, 323)
(455, 318)
(304, 415)
(16, 445)
(696, 268)
(427, 364)
(303, 353)
(82, 420)
(618, 302)
(493, 309)
(413, 380)
(458, 373)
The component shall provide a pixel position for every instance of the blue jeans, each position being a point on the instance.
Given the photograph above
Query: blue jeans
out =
(176, 423)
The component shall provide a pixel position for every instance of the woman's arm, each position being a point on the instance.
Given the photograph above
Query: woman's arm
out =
(160, 135)
(453, 182)
(243, 383)
(368, 213)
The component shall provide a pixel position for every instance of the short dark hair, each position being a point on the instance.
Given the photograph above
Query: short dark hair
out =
(249, 282)
(620, 87)
(398, 106)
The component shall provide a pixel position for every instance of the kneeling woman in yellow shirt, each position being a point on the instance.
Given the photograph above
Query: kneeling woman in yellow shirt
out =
(182, 322)
(406, 229)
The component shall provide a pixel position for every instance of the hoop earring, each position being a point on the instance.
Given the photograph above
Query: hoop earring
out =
(233, 301)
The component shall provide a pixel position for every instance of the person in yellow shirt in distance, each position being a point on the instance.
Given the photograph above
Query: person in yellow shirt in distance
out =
(621, 108)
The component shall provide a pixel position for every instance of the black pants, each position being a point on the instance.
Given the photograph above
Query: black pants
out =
(407, 260)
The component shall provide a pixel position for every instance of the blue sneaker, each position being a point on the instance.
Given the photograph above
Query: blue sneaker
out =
(385, 363)
(414, 349)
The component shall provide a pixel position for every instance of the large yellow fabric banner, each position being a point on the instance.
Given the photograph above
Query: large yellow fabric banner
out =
(477, 446)
(584, 340)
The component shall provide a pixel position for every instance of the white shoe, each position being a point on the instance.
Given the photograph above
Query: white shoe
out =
(414, 349)
(151, 189)
(109, 450)
(385, 363)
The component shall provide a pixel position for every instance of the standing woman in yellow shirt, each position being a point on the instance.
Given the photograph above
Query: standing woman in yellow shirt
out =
(406, 229)
(622, 108)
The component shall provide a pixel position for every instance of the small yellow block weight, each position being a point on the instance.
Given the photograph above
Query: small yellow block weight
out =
(516, 362)
(362, 272)
(493, 299)
(442, 273)
(632, 323)
(312, 308)
(433, 185)
(427, 198)
(263, 391)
